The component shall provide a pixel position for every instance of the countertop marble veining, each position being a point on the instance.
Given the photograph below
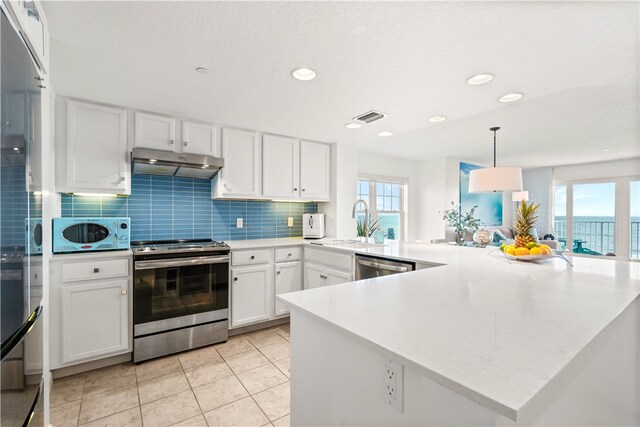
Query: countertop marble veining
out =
(493, 330)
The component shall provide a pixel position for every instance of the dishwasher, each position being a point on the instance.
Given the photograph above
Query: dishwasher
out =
(368, 267)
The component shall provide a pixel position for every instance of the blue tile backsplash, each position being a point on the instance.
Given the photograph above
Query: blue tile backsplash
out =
(162, 207)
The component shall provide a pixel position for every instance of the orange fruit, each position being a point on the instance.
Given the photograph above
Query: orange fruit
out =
(522, 251)
(535, 251)
(544, 250)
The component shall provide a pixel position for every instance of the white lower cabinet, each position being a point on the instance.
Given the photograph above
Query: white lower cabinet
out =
(90, 317)
(316, 275)
(94, 319)
(288, 279)
(251, 294)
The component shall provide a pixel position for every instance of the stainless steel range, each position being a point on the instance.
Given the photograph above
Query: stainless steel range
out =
(180, 296)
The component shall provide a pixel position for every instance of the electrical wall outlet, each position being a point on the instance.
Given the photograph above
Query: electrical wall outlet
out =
(393, 384)
(239, 223)
(290, 222)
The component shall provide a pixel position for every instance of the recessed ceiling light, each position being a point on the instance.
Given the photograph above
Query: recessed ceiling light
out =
(353, 125)
(385, 133)
(437, 119)
(152, 160)
(16, 149)
(606, 150)
(510, 97)
(202, 70)
(480, 79)
(304, 74)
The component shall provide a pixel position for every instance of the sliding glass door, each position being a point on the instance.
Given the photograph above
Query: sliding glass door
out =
(598, 218)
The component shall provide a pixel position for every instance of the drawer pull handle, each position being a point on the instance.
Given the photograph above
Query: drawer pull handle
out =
(96, 270)
(322, 276)
(289, 254)
(253, 257)
(123, 292)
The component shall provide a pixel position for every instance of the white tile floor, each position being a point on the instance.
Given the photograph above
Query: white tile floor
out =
(243, 382)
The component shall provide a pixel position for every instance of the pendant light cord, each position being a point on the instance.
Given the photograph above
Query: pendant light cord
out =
(494, 130)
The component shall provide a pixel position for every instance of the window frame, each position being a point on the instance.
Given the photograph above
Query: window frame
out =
(402, 199)
(622, 213)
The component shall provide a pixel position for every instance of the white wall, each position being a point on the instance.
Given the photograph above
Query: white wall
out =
(385, 166)
(586, 171)
(344, 174)
(538, 182)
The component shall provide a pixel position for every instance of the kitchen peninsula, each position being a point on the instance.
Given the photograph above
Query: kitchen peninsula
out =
(478, 340)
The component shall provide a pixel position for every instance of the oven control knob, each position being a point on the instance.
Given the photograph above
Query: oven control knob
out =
(153, 248)
(123, 225)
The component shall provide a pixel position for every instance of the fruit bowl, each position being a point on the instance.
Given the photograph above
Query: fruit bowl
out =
(528, 258)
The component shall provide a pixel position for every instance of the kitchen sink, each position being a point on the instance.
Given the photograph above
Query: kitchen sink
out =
(354, 244)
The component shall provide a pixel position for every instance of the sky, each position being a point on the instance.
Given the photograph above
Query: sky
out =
(594, 199)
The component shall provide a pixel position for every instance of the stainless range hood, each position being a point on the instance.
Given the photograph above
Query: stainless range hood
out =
(159, 162)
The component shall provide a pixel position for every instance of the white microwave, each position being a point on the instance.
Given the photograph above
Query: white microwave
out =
(313, 226)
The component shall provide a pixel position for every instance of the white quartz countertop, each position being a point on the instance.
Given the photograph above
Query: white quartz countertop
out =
(494, 330)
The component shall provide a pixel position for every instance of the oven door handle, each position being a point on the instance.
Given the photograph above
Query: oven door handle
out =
(179, 262)
(380, 266)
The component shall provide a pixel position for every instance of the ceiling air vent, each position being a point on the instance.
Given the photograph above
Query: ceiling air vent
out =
(370, 116)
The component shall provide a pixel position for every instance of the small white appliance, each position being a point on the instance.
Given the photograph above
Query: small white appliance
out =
(313, 226)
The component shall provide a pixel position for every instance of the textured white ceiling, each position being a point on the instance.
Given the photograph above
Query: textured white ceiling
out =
(576, 63)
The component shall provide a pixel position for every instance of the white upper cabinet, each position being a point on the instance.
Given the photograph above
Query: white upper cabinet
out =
(155, 131)
(240, 176)
(199, 138)
(96, 149)
(315, 171)
(280, 167)
(31, 19)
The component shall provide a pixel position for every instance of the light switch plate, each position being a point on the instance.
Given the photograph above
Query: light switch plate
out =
(239, 223)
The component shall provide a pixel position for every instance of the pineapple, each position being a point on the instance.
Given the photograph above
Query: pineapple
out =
(525, 220)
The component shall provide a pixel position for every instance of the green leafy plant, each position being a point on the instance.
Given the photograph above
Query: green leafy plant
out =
(361, 226)
(461, 222)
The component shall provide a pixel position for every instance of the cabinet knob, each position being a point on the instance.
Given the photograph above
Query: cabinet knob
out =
(235, 279)
(303, 189)
(277, 272)
(289, 254)
(39, 78)
(253, 257)
(42, 86)
(123, 292)
(185, 143)
(171, 141)
(295, 189)
(96, 270)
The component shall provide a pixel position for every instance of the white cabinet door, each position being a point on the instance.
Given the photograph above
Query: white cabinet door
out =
(240, 175)
(198, 138)
(315, 170)
(154, 131)
(251, 290)
(97, 157)
(14, 114)
(314, 276)
(288, 279)
(34, 162)
(34, 26)
(334, 277)
(280, 167)
(95, 320)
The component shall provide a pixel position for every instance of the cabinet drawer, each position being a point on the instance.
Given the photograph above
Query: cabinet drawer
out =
(288, 254)
(329, 258)
(75, 271)
(250, 257)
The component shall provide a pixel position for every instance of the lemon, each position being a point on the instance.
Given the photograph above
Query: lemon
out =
(522, 251)
(531, 245)
(535, 251)
(502, 246)
(511, 250)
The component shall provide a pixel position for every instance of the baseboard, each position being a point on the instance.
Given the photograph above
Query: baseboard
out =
(89, 366)
(258, 326)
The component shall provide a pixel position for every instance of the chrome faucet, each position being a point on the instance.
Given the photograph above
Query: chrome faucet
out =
(366, 215)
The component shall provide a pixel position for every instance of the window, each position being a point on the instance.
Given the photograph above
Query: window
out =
(386, 204)
(598, 218)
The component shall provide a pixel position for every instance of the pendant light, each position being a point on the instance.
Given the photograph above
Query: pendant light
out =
(495, 178)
